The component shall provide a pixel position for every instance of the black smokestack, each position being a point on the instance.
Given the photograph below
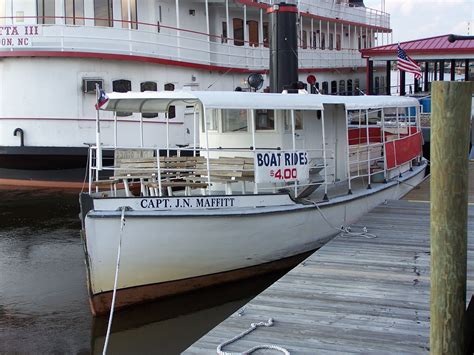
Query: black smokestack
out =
(283, 45)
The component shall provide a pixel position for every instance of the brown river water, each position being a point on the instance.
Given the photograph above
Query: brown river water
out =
(43, 294)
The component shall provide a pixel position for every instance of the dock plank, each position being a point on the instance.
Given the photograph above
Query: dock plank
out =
(354, 294)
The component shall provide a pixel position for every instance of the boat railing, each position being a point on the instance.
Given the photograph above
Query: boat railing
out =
(151, 171)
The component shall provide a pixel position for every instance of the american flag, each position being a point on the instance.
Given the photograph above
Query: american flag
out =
(407, 64)
(102, 99)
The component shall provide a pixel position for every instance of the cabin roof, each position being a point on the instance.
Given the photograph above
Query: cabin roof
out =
(150, 102)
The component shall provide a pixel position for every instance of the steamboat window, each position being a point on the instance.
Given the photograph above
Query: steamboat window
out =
(349, 87)
(342, 87)
(238, 31)
(122, 85)
(253, 33)
(377, 85)
(338, 42)
(74, 12)
(172, 108)
(224, 32)
(234, 120)
(45, 11)
(264, 120)
(304, 42)
(315, 42)
(325, 87)
(149, 86)
(333, 87)
(298, 120)
(323, 40)
(331, 41)
(103, 13)
(129, 14)
(359, 43)
(266, 35)
(357, 87)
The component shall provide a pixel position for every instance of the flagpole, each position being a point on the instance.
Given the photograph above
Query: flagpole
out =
(97, 133)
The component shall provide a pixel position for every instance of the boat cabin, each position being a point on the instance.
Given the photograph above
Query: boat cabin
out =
(314, 146)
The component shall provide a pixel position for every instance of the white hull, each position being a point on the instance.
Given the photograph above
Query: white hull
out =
(159, 247)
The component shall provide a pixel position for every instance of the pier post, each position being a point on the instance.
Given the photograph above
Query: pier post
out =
(450, 124)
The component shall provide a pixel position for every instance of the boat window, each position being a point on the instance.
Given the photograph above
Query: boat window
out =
(331, 41)
(224, 32)
(325, 87)
(315, 41)
(212, 117)
(298, 120)
(342, 87)
(338, 42)
(45, 10)
(349, 87)
(149, 86)
(238, 31)
(266, 35)
(172, 108)
(265, 120)
(253, 33)
(122, 85)
(356, 87)
(129, 14)
(234, 120)
(304, 40)
(333, 87)
(323, 40)
(103, 13)
(359, 43)
(74, 12)
(382, 85)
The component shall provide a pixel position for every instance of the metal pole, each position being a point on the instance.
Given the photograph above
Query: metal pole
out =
(208, 163)
(97, 134)
(293, 133)
(325, 198)
(194, 131)
(254, 148)
(348, 155)
(207, 21)
(178, 32)
(167, 133)
(450, 122)
(368, 147)
(141, 130)
(115, 129)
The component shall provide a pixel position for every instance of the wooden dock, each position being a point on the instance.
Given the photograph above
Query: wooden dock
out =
(354, 294)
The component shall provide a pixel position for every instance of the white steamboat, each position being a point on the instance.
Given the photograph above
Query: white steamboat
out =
(54, 52)
(275, 176)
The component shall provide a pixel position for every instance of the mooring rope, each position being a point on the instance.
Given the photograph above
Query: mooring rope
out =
(112, 305)
(345, 230)
(253, 326)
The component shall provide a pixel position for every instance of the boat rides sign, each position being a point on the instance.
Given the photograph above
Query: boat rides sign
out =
(18, 36)
(281, 166)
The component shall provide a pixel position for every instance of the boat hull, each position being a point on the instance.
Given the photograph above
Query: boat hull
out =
(165, 253)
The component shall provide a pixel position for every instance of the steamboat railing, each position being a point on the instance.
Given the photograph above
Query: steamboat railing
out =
(173, 44)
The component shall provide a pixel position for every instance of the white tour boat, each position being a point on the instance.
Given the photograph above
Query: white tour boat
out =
(273, 177)
(54, 52)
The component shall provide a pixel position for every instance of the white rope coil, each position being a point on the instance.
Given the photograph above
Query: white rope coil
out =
(253, 326)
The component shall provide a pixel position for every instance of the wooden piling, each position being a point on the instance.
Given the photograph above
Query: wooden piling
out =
(450, 128)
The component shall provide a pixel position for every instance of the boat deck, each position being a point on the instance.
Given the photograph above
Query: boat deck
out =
(355, 294)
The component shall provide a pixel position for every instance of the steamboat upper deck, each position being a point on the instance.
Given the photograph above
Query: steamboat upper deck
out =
(203, 34)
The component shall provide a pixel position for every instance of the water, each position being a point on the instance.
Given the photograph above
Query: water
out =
(43, 295)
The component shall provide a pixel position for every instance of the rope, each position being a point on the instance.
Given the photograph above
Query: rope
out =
(345, 230)
(253, 326)
(112, 305)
